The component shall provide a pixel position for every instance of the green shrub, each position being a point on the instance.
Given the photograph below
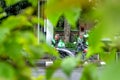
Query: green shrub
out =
(71, 46)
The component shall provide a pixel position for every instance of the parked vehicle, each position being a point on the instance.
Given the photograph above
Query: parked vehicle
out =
(64, 52)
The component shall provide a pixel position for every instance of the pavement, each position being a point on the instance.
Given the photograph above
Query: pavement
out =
(41, 69)
(76, 74)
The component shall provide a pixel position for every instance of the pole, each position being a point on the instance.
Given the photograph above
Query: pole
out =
(38, 27)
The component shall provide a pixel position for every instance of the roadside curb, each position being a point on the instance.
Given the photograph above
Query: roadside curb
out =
(43, 63)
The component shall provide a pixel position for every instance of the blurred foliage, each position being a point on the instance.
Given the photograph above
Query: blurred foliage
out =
(71, 46)
(107, 25)
(51, 69)
(10, 2)
(18, 44)
(34, 3)
(105, 16)
(71, 12)
(72, 62)
(107, 72)
(89, 73)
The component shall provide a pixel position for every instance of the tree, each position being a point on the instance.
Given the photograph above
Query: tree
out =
(66, 31)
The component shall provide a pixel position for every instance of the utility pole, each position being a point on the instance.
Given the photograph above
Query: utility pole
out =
(38, 26)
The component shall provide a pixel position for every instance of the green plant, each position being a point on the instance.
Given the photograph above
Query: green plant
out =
(105, 15)
(70, 46)
(18, 44)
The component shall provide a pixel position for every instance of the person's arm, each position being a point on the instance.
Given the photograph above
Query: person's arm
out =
(53, 43)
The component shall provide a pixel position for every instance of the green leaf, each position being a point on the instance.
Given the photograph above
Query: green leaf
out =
(1, 9)
(72, 15)
(28, 11)
(16, 22)
(49, 50)
(108, 57)
(3, 33)
(6, 72)
(70, 9)
(107, 27)
(50, 70)
(95, 41)
(34, 3)
(2, 14)
(54, 16)
(11, 22)
(35, 20)
(11, 2)
(111, 72)
(89, 73)
(72, 62)
(40, 77)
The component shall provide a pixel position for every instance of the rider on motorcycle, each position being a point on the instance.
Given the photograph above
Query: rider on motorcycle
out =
(82, 44)
(57, 42)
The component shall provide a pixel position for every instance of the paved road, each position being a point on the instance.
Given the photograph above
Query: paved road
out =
(75, 75)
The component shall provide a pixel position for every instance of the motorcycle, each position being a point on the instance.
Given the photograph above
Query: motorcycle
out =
(82, 48)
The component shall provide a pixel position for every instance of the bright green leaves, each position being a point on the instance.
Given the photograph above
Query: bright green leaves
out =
(13, 50)
(72, 15)
(39, 78)
(48, 49)
(34, 3)
(68, 65)
(11, 2)
(57, 8)
(16, 21)
(107, 26)
(50, 70)
(3, 33)
(35, 20)
(2, 14)
(95, 41)
(28, 11)
(53, 16)
(89, 73)
(52, 12)
(110, 72)
(108, 57)
(19, 44)
(25, 37)
(11, 22)
(6, 72)
(71, 9)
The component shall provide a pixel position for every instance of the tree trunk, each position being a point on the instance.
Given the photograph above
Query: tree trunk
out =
(66, 31)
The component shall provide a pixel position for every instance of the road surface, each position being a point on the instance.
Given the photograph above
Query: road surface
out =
(76, 74)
